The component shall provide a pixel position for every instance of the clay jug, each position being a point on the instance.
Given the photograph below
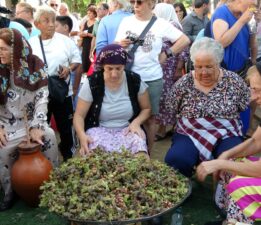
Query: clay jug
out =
(29, 172)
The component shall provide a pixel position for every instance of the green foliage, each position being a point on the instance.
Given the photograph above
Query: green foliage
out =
(187, 3)
(80, 6)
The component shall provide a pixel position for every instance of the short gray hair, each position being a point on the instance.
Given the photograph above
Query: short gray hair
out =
(208, 45)
(42, 10)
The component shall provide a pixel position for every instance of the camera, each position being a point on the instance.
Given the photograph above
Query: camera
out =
(135, 40)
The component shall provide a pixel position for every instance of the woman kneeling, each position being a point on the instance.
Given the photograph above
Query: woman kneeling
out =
(113, 103)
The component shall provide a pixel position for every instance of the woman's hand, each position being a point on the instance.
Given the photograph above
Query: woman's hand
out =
(135, 129)
(85, 140)
(162, 58)
(125, 43)
(3, 138)
(246, 16)
(37, 135)
(206, 168)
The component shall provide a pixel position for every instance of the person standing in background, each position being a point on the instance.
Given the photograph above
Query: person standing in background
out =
(108, 26)
(196, 20)
(64, 11)
(25, 11)
(86, 35)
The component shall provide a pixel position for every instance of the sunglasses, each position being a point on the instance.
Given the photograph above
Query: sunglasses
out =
(138, 2)
(52, 5)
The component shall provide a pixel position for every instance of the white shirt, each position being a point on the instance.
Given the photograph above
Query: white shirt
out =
(146, 61)
(60, 50)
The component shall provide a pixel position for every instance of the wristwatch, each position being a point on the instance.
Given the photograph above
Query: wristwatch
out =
(169, 53)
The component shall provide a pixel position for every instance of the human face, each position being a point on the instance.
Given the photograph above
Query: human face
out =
(54, 4)
(62, 29)
(245, 4)
(255, 85)
(206, 9)
(101, 12)
(21, 12)
(206, 69)
(46, 25)
(90, 15)
(113, 73)
(63, 10)
(179, 13)
(5, 53)
(142, 8)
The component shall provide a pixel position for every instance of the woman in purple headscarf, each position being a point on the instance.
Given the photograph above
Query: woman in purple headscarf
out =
(113, 104)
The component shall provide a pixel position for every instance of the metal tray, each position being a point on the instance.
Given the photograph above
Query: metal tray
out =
(143, 219)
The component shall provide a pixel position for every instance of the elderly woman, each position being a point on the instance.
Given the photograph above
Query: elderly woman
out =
(148, 56)
(207, 103)
(23, 89)
(113, 104)
(240, 195)
(61, 57)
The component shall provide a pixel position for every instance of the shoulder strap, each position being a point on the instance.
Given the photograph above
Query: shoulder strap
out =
(142, 35)
(41, 43)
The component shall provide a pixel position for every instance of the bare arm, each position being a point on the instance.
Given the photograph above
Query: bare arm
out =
(145, 108)
(78, 123)
(226, 36)
(144, 114)
(249, 147)
(246, 168)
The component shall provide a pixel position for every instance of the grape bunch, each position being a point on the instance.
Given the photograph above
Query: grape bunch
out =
(112, 187)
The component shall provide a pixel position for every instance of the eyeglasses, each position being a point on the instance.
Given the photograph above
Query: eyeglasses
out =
(138, 2)
(208, 69)
(53, 5)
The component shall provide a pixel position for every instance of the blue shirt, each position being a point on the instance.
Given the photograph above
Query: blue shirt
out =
(237, 53)
(108, 28)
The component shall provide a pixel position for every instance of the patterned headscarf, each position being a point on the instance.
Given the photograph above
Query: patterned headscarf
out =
(26, 69)
(112, 54)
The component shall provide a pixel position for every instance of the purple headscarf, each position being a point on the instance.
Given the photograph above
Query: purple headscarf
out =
(112, 54)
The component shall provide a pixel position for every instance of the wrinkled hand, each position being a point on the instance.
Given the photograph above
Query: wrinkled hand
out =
(125, 43)
(3, 138)
(37, 135)
(135, 129)
(206, 168)
(64, 73)
(162, 58)
(85, 141)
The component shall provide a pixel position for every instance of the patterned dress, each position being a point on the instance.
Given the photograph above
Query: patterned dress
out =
(23, 90)
(169, 78)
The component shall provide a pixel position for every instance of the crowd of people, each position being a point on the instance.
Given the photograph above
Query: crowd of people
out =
(134, 69)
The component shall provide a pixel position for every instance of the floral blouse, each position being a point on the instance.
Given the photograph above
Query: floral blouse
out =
(12, 113)
(226, 100)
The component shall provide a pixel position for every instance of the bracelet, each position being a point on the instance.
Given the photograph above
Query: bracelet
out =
(169, 53)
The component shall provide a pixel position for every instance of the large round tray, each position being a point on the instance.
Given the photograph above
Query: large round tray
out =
(147, 218)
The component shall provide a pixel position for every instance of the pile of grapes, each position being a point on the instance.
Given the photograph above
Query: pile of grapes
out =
(112, 186)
